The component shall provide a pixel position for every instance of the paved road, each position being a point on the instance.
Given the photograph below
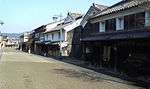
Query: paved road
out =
(20, 70)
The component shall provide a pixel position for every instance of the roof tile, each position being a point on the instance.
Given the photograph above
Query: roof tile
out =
(121, 6)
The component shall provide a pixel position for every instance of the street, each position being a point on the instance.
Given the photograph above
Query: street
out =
(20, 70)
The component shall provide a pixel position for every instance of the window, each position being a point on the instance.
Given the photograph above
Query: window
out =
(147, 18)
(148, 14)
(59, 35)
(94, 13)
(52, 36)
(120, 23)
(102, 27)
(140, 19)
(134, 21)
(110, 25)
(129, 22)
(46, 36)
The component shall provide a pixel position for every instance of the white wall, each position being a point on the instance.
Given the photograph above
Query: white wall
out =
(26, 39)
(48, 36)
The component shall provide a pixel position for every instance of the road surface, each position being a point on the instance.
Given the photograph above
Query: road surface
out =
(20, 70)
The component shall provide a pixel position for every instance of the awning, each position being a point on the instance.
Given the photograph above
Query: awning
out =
(73, 25)
(123, 35)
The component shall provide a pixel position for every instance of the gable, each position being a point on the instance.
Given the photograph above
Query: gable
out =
(89, 13)
(68, 19)
(93, 10)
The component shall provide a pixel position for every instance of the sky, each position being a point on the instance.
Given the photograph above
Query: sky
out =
(25, 15)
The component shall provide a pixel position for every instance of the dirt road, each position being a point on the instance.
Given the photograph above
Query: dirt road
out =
(20, 70)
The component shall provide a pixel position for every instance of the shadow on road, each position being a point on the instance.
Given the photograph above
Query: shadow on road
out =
(83, 64)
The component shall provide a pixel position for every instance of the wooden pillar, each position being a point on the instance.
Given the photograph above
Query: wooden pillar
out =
(60, 42)
(101, 58)
(83, 50)
(115, 58)
(29, 50)
(21, 47)
(35, 46)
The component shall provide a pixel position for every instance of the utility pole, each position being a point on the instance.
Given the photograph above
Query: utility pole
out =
(1, 23)
(57, 17)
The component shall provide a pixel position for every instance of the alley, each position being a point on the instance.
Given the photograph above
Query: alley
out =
(20, 70)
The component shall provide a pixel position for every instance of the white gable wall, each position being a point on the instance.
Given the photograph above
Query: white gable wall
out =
(90, 12)
(68, 19)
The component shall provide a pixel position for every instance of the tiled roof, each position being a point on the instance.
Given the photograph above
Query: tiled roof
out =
(67, 27)
(51, 26)
(125, 4)
(57, 28)
(75, 15)
(73, 25)
(100, 7)
(95, 8)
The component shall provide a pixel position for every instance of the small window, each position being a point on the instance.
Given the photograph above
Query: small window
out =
(47, 36)
(102, 26)
(147, 19)
(120, 23)
(52, 36)
(59, 35)
(94, 13)
(148, 14)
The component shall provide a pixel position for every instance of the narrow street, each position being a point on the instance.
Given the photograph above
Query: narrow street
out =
(20, 70)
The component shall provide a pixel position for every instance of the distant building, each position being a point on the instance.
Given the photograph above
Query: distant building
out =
(23, 41)
(56, 34)
(39, 48)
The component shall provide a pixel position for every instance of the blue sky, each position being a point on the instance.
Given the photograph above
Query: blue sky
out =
(25, 15)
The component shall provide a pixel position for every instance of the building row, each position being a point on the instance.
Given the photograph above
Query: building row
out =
(115, 38)
(6, 41)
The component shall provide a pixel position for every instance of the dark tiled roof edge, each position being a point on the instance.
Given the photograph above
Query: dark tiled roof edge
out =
(122, 5)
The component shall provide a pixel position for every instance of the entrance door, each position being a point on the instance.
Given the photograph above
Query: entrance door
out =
(106, 56)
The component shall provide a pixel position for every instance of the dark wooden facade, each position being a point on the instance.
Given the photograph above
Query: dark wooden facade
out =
(39, 47)
(124, 51)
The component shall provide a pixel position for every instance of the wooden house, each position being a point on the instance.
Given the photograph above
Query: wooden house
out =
(56, 34)
(39, 47)
(119, 38)
(23, 41)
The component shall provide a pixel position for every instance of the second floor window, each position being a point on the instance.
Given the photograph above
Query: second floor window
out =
(134, 21)
(47, 37)
(59, 35)
(102, 27)
(120, 23)
(52, 36)
(110, 25)
(147, 19)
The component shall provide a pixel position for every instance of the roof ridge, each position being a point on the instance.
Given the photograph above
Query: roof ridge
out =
(123, 4)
